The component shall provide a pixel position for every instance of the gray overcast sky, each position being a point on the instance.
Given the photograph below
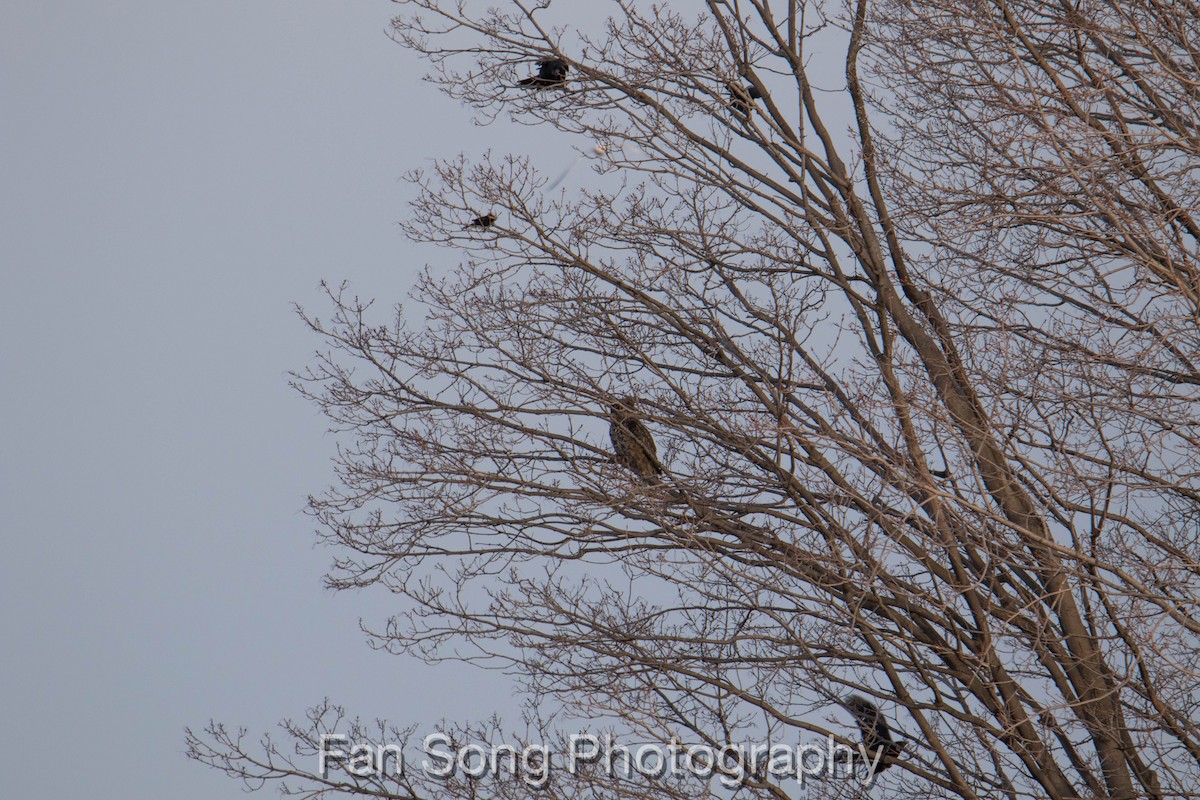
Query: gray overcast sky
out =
(172, 177)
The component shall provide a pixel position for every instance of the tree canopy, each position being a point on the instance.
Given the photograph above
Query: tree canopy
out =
(920, 351)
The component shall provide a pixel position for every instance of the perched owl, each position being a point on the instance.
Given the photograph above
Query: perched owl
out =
(633, 445)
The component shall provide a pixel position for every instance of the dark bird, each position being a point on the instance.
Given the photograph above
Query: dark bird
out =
(742, 98)
(552, 74)
(876, 736)
(485, 221)
(633, 444)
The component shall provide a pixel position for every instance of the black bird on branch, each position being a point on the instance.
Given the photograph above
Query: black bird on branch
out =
(552, 74)
(486, 221)
(633, 444)
(741, 99)
(876, 735)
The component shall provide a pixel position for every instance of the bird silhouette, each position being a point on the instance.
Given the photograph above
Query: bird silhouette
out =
(742, 98)
(876, 735)
(552, 74)
(485, 221)
(633, 444)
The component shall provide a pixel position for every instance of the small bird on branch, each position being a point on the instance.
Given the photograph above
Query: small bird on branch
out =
(633, 444)
(876, 735)
(742, 99)
(486, 221)
(552, 74)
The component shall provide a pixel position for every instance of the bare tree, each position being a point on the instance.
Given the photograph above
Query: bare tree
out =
(919, 350)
